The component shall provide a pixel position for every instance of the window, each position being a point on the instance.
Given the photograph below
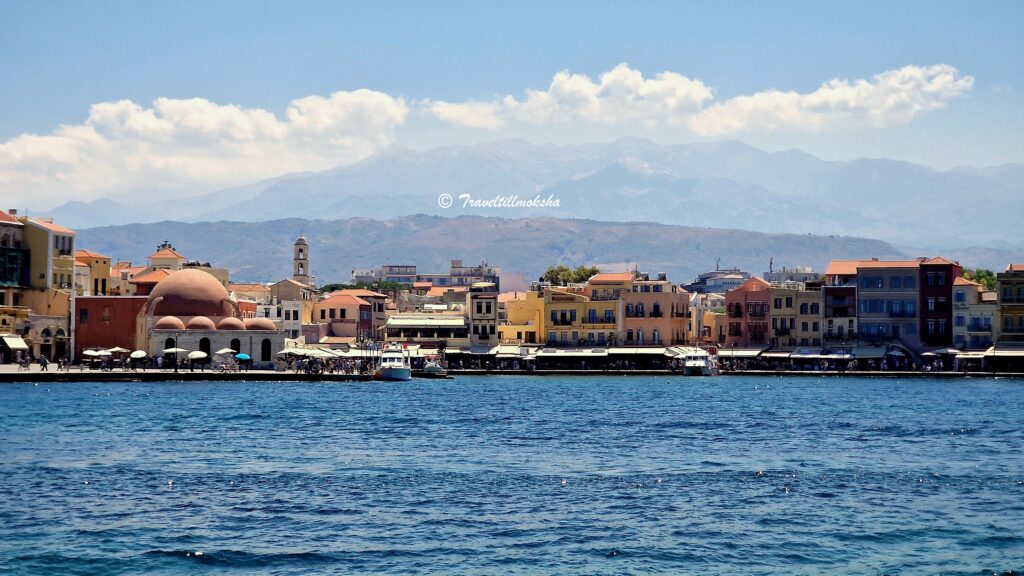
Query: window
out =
(931, 278)
(931, 327)
(942, 327)
(265, 350)
(204, 345)
(803, 326)
(815, 308)
(323, 314)
(487, 307)
(960, 321)
(931, 305)
(960, 297)
(572, 316)
(106, 313)
(278, 311)
(592, 316)
(789, 301)
(895, 283)
(83, 316)
(492, 329)
(942, 278)
(778, 303)
(333, 313)
(236, 345)
(908, 282)
(816, 327)
(609, 317)
(476, 329)
(803, 308)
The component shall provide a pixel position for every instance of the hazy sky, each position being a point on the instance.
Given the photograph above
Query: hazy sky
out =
(102, 97)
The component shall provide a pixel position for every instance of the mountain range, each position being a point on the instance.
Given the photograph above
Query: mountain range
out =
(720, 184)
(262, 251)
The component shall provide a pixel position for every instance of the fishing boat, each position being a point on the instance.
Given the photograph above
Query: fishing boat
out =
(433, 369)
(698, 362)
(394, 365)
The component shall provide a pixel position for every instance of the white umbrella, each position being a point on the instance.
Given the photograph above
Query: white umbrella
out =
(174, 350)
(226, 351)
(138, 354)
(117, 350)
(89, 353)
(103, 353)
(196, 355)
(292, 351)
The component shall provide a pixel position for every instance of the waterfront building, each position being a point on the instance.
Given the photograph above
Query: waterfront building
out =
(888, 303)
(975, 314)
(430, 330)
(103, 322)
(747, 309)
(347, 319)
(655, 312)
(714, 329)
(936, 279)
(51, 254)
(378, 307)
(839, 296)
(482, 314)
(563, 316)
(700, 305)
(458, 274)
(192, 310)
(796, 315)
(1010, 290)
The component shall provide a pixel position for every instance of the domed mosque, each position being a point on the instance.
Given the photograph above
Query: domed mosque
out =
(192, 310)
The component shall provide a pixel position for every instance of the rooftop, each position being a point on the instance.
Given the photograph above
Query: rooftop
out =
(89, 254)
(152, 277)
(611, 277)
(8, 219)
(51, 226)
(343, 300)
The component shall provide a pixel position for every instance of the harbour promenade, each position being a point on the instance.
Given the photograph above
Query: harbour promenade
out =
(12, 374)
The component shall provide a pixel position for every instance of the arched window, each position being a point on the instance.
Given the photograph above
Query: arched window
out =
(656, 336)
(169, 343)
(204, 345)
(236, 345)
(265, 350)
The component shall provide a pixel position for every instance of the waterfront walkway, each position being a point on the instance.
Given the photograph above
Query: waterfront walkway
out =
(10, 373)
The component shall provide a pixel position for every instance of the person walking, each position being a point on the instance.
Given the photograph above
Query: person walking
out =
(43, 363)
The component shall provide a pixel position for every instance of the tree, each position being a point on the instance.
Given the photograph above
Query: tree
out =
(986, 278)
(561, 275)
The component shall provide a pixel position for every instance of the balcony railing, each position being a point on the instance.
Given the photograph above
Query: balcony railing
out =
(600, 321)
(757, 314)
(979, 328)
(656, 314)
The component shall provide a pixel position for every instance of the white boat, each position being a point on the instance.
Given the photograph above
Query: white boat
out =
(699, 362)
(394, 365)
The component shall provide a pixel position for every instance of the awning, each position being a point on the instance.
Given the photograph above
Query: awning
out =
(739, 352)
(1006, 351)
(777, 354)
(869, 352)
(572, 352)
(637, 350)
(427, 322)
(970, 356)
(15, 343)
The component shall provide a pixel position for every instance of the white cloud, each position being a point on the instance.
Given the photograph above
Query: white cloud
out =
(194, 144)
(622, 96)
(891, 98)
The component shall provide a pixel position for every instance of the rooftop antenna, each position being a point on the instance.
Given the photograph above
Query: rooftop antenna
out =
(718, 261)
(771, 262)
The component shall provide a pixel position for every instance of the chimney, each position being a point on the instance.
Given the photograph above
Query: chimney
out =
(13, 211)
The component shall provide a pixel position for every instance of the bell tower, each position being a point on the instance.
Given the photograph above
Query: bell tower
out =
(300, 261)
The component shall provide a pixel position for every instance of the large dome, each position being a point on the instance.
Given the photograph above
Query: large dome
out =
(230, 324)
(190, 292)
(200, 323)
(169, 323)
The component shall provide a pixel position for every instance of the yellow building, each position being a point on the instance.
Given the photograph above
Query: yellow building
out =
(51, 254)
(796, 316)
(99, 273)
(559, 316)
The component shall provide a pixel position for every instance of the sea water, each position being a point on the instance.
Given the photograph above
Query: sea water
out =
(514, 475)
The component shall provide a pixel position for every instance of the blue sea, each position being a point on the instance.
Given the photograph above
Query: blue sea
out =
(515, 475)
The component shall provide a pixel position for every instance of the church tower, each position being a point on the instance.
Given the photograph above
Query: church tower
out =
(300, 264)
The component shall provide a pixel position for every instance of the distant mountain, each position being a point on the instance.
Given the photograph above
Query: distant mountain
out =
(721, 184)
(262, 251)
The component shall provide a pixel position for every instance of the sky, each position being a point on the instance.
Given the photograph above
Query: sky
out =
(106, 98)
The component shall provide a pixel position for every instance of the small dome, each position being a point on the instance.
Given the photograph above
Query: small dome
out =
(169, 323)
(190, 292)
(301, 240)
(200, 323)
(259, 324)
(231, 323)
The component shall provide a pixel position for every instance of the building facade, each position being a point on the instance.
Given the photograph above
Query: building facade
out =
(975, 315)
(747, 311)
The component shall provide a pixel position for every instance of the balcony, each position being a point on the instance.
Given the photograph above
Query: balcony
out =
(596, 321)
(757, 314)
(902, 314)
(656, 314)
(562, 322)
(636, 315)
(979, 328)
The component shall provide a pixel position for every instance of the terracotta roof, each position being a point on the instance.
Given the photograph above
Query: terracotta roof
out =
(152, 277)
(509, 296)
(89, 254)
(131, 270)
(849, 267)
(612, 277)
(8, 219)
(81, 263)
(248, 288)
(754, 284)
(422, 284)
(52, 226)
(166, 253)
(442, 290)
(343, 300)
(938, 260)
(961, 281)
(1015, 268)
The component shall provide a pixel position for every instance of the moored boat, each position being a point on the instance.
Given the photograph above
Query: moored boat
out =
(394, 365)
